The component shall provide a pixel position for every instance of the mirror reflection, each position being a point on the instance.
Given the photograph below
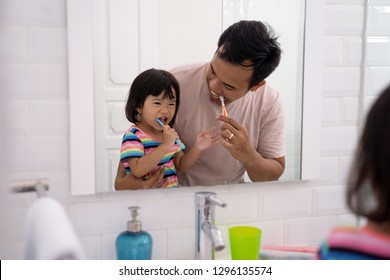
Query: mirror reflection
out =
(149, 37)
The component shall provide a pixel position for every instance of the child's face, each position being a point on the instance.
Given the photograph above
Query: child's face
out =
(158, 107)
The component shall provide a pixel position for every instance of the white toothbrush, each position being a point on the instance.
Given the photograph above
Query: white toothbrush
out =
(224, 112)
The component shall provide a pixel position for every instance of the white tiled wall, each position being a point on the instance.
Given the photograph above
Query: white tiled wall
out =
(293, 214)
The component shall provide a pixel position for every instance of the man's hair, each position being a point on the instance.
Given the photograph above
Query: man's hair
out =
(253, 45)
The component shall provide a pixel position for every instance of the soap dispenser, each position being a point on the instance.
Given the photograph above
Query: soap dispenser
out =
(134, 243)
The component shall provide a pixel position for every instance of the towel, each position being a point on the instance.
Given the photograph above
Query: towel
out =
(49, 234)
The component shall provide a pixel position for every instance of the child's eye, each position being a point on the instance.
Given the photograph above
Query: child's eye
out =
(172, 104)
(156, 103)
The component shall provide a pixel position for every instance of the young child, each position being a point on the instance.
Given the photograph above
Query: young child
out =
(368, 193)
(151, 143)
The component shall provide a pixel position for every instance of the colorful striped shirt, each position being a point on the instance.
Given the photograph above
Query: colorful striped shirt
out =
(349, 243)
(136, 144)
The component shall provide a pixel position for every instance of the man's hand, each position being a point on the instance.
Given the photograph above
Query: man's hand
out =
(125, 181)
(236, 140)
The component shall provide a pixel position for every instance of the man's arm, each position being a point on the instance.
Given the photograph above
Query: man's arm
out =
(125, 181)
(265, 169)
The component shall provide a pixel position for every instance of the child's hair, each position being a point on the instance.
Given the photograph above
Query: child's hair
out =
(368, 192)
(151, 82)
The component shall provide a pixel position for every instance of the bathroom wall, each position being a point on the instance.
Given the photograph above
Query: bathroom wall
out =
(291, 214)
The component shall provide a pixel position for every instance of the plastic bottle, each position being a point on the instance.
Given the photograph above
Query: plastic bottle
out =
(134, 243)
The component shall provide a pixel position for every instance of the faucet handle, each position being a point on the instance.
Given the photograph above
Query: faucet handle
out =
(208, 199)
(216, 201)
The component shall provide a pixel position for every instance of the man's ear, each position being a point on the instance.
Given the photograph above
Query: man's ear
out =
(255, 87)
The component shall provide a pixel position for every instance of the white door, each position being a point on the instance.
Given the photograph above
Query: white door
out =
(130, 36)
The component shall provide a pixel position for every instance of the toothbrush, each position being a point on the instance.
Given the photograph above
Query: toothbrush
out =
(177, 140)
(224, 112)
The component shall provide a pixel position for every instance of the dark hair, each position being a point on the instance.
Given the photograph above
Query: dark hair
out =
(368, 192)
(151, 82)
(254, 41)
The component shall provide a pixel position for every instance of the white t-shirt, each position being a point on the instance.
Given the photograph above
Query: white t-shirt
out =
(261, 112)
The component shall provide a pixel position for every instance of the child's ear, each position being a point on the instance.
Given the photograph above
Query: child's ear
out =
(138, 115)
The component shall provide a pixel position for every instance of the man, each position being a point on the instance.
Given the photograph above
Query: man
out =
(252, 132)
(247, 53)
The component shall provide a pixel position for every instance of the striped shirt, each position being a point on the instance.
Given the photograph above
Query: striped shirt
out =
(349, 243)
(136, 144)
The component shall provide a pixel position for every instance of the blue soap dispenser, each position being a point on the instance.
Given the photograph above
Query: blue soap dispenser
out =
(134, 243)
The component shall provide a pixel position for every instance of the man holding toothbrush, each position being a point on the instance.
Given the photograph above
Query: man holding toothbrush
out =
(252, 132)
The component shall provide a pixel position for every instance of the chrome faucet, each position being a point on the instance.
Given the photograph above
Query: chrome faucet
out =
(208, 236)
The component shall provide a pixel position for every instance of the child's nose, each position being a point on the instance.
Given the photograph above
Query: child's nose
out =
(164, 109)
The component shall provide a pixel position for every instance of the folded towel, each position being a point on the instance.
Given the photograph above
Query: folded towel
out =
(49, 233)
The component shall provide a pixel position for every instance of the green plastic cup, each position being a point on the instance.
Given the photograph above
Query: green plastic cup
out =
(245, 242)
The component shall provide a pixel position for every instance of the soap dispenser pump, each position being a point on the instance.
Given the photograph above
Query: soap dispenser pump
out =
(134, 243)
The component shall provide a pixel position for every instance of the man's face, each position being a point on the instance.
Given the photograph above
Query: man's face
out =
(228, 80)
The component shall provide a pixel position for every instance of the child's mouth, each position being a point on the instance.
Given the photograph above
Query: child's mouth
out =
(162, 121)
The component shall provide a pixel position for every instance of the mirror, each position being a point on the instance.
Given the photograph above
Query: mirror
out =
(111, 41)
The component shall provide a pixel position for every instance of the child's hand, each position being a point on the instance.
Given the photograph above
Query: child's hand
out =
(169, 135)
(206, 139)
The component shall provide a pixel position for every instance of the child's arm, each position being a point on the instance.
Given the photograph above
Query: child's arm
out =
(142, 165)
(204, 140)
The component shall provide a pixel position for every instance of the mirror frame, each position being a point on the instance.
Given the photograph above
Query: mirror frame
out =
(81, 94)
